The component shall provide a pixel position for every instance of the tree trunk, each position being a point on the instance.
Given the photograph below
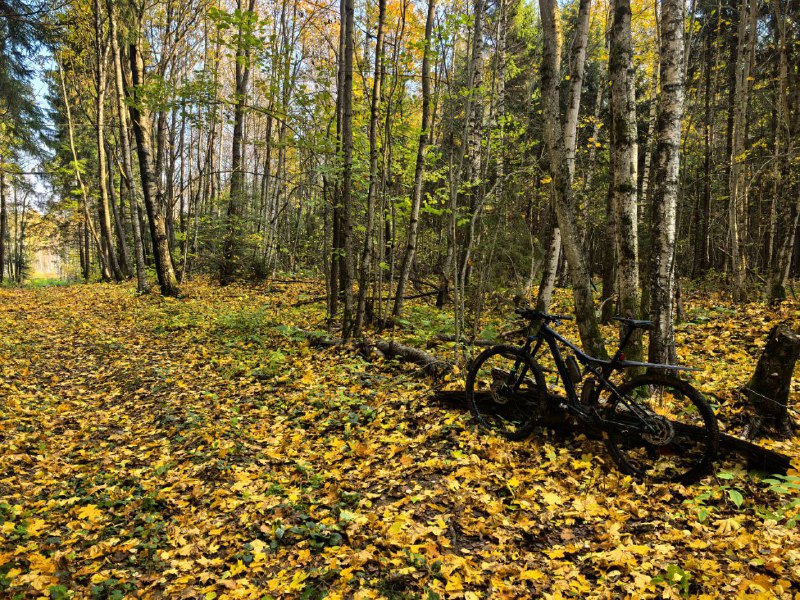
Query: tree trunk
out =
(232, 243)
(118, 213)
(570, 134)
(369, 242)
(625, 163)
(767, 392)
(703, 224)
(780, 264)
(736, 180)
(551, 236)
(346, 232)
(89, 224)
(419, 167)
(142, 129)
(559, 173)
(469, 189)
(577, 67)
(662, 336)
(3, 222)
(609, 296)
(101, 56)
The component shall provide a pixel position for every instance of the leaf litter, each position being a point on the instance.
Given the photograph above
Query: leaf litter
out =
(198, 448)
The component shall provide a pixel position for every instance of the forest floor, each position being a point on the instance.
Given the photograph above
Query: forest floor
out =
(199, 448)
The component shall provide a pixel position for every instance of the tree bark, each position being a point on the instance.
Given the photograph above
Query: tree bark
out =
(346, 232)
(119, 220)
(625, 163)
(780, 265)
(419, 167)
(703, 224)
(101, 57)
(570, 134)
(736, 180)
(3, 222)
(559, 170)
(142, 129)
(232, 243)
(609, 294)
(369, 242)
(662, 336)
(767, 392)
(551, 236)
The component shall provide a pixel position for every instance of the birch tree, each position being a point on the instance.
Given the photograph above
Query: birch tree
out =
(559, 166)
(662, 336)
(625, 166)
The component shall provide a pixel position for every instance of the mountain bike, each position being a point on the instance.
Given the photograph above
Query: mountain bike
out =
(655, 426)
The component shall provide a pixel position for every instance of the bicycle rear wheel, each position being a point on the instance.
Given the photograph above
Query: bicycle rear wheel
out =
(506, 391)
(664, 430)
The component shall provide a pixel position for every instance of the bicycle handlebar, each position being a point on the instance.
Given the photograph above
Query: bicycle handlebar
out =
(529, 313)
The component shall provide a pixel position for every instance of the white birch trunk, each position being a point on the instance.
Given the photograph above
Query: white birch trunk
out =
(662, 336)
(624, 174)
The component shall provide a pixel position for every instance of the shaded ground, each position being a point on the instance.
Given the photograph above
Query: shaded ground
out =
(195, 448)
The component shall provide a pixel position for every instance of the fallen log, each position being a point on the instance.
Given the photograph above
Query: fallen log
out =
(758, 458)
(431, 365)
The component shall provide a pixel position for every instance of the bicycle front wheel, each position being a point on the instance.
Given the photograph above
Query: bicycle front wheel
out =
(661, 429)
(506, 391)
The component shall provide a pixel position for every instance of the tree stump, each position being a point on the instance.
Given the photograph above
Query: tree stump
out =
(767, 392)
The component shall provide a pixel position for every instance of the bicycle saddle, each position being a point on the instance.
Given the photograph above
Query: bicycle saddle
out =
(635, 323)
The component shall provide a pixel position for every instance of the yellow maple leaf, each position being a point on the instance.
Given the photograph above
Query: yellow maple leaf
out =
(552, 499)
(454, 583)
(90, 512)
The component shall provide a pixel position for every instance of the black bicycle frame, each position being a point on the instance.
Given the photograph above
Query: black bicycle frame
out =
(602, 369)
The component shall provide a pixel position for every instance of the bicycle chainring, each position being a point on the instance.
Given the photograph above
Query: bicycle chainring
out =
(663, 432)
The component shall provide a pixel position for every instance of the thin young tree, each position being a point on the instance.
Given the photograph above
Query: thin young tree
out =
(369, 232)
(125, 149)
(348, 266)
(232, 243)
(102, 46)
(419, 167)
